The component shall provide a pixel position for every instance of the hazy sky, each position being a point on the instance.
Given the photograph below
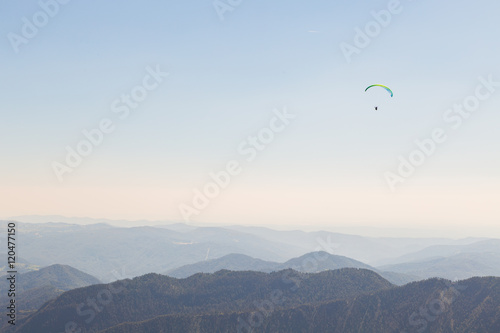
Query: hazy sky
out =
(228, 79)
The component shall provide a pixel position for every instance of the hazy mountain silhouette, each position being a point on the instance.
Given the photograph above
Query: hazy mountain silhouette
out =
(308, 263)
(459, 266)
(438, 251)
(101, 249)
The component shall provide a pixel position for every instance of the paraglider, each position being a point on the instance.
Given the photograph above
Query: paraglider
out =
(382, 86)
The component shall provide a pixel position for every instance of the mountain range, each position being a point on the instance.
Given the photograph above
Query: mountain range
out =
(110, 253)
(181, 278)
(343, 300)
(99, 307)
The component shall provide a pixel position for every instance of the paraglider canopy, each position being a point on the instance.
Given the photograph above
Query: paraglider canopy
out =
(379, 85)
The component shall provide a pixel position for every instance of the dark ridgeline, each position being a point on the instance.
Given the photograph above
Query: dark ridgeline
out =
(154, 295)
(434, 306)
(344, 300)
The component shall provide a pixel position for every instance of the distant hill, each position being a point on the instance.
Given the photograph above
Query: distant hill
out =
(321, 261)
(459, 266)
(35, 288)
(61, 277)
(232, 262)
(309, 263)
(433, 305)
(154, 295)
(438, 251)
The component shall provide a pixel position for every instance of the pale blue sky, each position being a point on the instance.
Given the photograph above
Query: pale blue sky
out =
(225, 79)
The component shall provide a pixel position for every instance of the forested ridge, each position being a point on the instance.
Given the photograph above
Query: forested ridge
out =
(102, 306)
(435, 306)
